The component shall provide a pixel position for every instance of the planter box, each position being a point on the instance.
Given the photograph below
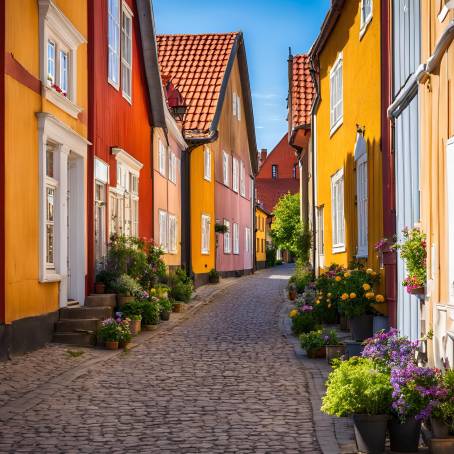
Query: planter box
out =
(111, 345)
(179, 307)
(149, 327)
(334, 351)
(165, 316)
(370, 432)
(380, 322)
(442, 445)
(316, 353)
(134, 326)
(419, 291)
(343, 323)
(353, 348)
(404, 437)
(439, 429)
(361, 327)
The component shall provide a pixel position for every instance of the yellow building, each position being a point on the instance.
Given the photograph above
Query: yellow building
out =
(261, 231)
(436, 169)
(346, 128)
(45, 162)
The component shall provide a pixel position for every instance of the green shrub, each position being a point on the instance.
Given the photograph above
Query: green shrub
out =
(357, 386)
(150, 312)
(312, 340)
(270, 256)
(181, 286)
(303, 322)
(133, 310)
(165, 305)
(302, 277)
(126, 285)
(445, 410)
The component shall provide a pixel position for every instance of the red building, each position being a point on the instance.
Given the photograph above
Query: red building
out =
(125, 102)
(278, 174)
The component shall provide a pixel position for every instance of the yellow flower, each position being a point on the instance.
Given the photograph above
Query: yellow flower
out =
(366, 287)
(380, 298)
(369, 271)
(293, 313)
(347, 274)
(329, 305)
(370, 295)
(352, 296)
(338, 278)
(344, 296)
(317, 302)
(328, 300)
(373, 274)
(329, 295)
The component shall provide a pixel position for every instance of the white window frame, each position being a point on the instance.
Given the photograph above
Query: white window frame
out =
(337, 212)
(172, 167)
(247, 240)
(64, 70)
(336, 94)
(227, 238)
(207, 163)
(236, 176)
(362, 195)
(320, 230)
(365, 21)
(242, 179)
(275, 166)
(206, 234)
(56, 28)
(126, 48)
(113, 43)
(172, 235)
(162, 158)
(163, 230)
(226, 168)
(51, 61)
(236, 238)
(236, 103)
(448, 5)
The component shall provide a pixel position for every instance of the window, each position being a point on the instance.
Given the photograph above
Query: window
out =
(226, 169)
(100, 220)
(366, 15)
(362, 202)
(337, 202)
(114, 42)
(172, 167)
(236, 101)
(242, 180)
(247, 239)
(336, 94)
(274, 171)
(207, 163)
(445, 7)
(51, 61)
(206, 234)
(51, 192)
(126, 52)
(163, 230)
(235, 175)
(295, 170)
(227, 246)
(320, 232)
(236, 239)
(172, 233)
(162, 158)
(64, 71)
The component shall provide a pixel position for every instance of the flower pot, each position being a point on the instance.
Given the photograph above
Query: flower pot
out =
(334, 351)
(134, 326)
(178, 307)
(123, 344)
(122, 300)
(165, 316)
(416, 290)
(361, 327)
(343, 323)
(404, 437)
(315, 353)
(100, 288)
(442, 445)
(439, 428)
(149, 327)
(111, 345)
(353, 348)
(380, 322)
(292, 295)
(213, 280)
(370, 432)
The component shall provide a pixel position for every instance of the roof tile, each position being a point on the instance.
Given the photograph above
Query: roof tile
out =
(302, 91)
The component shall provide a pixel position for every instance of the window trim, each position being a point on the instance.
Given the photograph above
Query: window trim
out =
(207, 163)
(338, 123)
(128, 13)
(274, 166)
(162, 158)
(242, 179)
(226, 169)
(236, 239)
(364, 23)
(172, 167)
(340, 246)
(363, 249)
(172, 240)
(163, 228)
(117, 51)
(227, 238)
(206, 220)
(236, 175)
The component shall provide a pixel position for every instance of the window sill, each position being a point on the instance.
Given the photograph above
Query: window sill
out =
(207, 179)
(362, 255)
(339, 249)
(127, 98)
(51, 277)
(364, 27)
(113, 84)
(336, 126)
(62, 102)
(205, 253)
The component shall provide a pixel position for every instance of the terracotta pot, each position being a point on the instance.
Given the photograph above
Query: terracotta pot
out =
(123, 344)
(334, 351)
(100, 288)
(179, 307)
(419, 291)
(122, 300)
(134, 326)
(111, 345)
(149, 327)
(292, 295)
(315, 353)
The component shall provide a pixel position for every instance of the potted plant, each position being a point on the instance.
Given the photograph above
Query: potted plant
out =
(181, 286)
(125, 287)
(220, 228)
(150, 314)
(292, 292)
(314, 344)
(303, 319)
(213, 276)
(165, 308)
(133, 311)
(110, 333)
(415, 391)
(334, 348)
(125, 332)
(360, 389)
(442, 418)
(100, 286)
(413, 252)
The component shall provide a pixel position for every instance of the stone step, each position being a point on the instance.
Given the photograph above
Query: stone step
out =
(101, 300)
(83, 312)
(79, 339)
(77, 325)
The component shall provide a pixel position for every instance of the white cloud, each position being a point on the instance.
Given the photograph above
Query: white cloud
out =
(264, 95)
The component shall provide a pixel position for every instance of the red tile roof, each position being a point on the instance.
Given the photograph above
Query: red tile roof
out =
(269, 191)
(196, 64)
(302, 91)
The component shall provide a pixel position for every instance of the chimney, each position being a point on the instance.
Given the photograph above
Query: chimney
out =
(263, 155)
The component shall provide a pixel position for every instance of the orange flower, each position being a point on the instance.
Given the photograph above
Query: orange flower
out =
(380, 298)
(352, 296)
(344, 296)
(366, 287)
(338, 278)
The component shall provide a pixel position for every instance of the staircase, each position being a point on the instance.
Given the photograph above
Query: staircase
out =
(77, 325)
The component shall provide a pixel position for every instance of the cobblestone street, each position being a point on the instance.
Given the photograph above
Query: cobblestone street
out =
(225, 380)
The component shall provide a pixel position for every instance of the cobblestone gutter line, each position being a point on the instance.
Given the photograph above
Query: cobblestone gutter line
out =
(52, 367)
(334, 435)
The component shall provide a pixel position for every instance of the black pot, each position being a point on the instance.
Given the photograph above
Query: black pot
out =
(353, 348)
(404, 437)
(361, 327)
(165, 316)
(370, 432)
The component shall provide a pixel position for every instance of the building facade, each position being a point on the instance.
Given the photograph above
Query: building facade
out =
(261, 235)
(45, 157)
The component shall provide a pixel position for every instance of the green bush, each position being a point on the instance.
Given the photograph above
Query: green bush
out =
(270, 256)
(312, 340)
(150, 312)
(445, 410)
(133, 310)
(181, 286)
(357, 386)
(165, 305)
(126, 285)
(304, 322)
(302, 277)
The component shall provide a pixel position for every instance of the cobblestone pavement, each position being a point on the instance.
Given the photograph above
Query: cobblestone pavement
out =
(223, 381)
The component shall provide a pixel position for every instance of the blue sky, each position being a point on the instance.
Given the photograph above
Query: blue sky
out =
(269, 27)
